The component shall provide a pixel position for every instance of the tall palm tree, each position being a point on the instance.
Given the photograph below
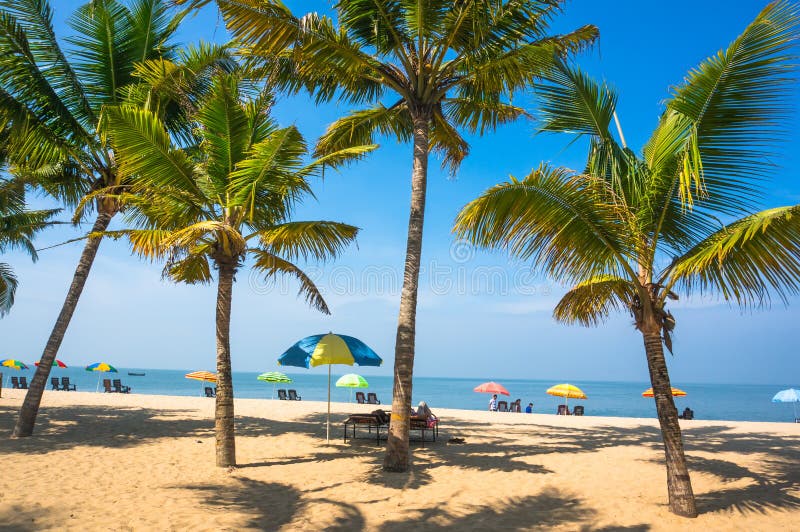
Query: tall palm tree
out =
(425, 69)
(217, 203)
(51, 110)
(632, 231)
(17, 228)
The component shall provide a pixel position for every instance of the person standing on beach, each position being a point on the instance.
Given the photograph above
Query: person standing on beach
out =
(493, 403)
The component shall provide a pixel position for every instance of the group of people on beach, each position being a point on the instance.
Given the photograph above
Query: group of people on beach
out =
(515, 405)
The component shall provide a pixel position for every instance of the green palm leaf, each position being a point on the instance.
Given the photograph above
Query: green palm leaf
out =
(591, 302)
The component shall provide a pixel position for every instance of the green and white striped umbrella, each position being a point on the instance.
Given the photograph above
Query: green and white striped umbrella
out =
(274, 377)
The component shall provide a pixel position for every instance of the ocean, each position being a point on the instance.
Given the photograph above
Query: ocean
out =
(734, 402)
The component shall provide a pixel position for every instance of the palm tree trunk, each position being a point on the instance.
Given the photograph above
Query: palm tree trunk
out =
(397, 456)
(679, 485)
(223, 424)
(30, 406)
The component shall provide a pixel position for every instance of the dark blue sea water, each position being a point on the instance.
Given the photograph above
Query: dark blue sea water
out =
(735, 402)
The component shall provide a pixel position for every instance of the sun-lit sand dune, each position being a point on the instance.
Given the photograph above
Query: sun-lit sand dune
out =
(138, 462)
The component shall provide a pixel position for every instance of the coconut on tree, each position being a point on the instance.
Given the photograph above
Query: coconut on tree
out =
(229, 198)
(51, 113)
(424, 72)
(632, 231)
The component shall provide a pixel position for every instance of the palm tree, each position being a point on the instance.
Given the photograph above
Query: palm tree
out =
(424, 70)
(17, 228)
(632, 230)
(51, 111)
(217, 203)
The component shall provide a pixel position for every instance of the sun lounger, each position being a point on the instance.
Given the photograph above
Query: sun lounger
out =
(210, 392)
(293, 396)
(119, 388)
(502, 406)
(107, 386)
(374, 420)
(54, 385)
(15, 383)
(66, 386)
(425, 424)
(360, 398)
(372, 399)
(282, 395)
(578, 410)
(23, 383)
(688, 413)
(562, 410)
(515, 406)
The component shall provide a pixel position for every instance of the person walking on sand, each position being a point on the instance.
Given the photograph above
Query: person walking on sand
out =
(493, 403)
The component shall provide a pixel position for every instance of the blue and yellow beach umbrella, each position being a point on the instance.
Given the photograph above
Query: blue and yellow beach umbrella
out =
(321, 349)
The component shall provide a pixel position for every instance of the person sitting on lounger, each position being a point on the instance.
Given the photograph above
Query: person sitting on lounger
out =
(493, 403)
(529, 408)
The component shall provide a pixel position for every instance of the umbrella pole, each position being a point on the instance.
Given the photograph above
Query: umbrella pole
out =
(97, 388)
(328, 424)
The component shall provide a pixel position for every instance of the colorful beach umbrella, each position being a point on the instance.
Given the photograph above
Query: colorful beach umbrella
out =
(56, 364)
(788, 396)
(13, 364)
(329, 349)
(101, 367)
(675, 393)
(491, 387)
(567, 391)
(274, 377)
(202, 376)
(351, 380)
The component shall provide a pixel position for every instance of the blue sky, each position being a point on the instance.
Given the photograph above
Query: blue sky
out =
(479, 315)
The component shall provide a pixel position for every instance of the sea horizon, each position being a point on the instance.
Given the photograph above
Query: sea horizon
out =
(710, 401)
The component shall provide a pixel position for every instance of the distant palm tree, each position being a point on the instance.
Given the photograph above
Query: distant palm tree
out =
(630, 231)
(425, 69)
(17, 228)
(51, 107)
(228, 198)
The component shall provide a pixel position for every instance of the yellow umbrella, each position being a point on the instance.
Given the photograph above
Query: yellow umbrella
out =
(675, 393)
(202, 376)
(567, 391)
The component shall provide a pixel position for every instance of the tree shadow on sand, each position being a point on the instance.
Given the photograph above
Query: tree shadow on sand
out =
(272, 505)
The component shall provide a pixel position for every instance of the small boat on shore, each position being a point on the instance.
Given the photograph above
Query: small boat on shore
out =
(134, 374)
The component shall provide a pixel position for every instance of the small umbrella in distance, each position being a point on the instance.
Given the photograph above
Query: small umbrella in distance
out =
(567, 391)
(56, 364)
(202, 376)
(675, 393)
(274, 377)
(491, 387)
(788, 396)
(101, 367)
(351, 380)
(13, 363)
(329, 349)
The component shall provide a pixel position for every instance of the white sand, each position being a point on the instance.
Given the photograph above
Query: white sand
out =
(145, 462)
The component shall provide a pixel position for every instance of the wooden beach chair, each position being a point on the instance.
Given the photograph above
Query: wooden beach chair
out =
(372, 399)
(424, 425)
(562, 410)
(119, 388)
(293, 396)
(23, 383)
(66, 386)
(374, 420)
(282, 395)
(516, 406)
(577, 410)
(107, 386)
(360, 398)
(210, 392)
(54, 385)
(502, 406)
(15, 383)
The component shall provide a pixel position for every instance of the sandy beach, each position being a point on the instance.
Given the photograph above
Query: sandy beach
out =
(146, 462)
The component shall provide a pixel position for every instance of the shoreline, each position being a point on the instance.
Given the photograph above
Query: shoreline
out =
(146, 462)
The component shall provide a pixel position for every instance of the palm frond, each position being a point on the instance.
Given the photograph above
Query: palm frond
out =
(590, 302)
(318, 240)
(272, 266)
(360, 127)
(556, 220)
(745, 261)
(8, 287)
(736, 100)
